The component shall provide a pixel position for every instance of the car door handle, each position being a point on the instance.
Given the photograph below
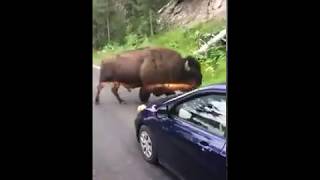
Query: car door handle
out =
(204, 146)
(204, 143)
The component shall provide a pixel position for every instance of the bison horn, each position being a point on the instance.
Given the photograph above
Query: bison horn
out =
(186, 66)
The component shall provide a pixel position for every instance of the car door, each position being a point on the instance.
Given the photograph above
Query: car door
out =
(187, 146)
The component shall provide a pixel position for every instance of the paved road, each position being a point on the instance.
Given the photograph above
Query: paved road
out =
(116, 154)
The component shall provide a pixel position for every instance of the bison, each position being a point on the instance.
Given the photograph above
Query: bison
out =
(155, 70)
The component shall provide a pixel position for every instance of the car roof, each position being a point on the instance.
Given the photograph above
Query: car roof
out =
(221, 87)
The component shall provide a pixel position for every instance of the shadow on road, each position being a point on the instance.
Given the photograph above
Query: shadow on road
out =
(168, 173)
(165, 171)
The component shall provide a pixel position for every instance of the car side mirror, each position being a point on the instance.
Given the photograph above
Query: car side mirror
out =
(184, 114)
(162, 112)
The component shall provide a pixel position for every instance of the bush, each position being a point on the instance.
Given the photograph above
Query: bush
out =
(132, 40)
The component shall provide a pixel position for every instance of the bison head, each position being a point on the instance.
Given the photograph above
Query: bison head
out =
(192, 70)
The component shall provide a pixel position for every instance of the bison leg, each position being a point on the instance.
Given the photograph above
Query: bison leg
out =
(129, 90)
(170, 93)
(99, 88)
(127, 87)
(157, 93)
(114, 90)
(144, 95)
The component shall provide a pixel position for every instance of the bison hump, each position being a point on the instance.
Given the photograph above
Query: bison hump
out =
(160, 67)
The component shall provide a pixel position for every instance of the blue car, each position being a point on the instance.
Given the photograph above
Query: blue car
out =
(186, 133)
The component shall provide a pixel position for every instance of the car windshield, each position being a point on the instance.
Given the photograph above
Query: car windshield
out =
(208, 111)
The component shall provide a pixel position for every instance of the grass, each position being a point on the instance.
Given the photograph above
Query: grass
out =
(183, 40)
(219, 75)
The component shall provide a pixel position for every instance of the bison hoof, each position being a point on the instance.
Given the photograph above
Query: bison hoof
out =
(96, 102)
(169, 94)
(122, 102)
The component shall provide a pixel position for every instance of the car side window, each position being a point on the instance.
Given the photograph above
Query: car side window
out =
(207, 111)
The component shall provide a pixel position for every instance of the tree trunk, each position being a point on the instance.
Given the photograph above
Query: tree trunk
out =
(151, 27)
(108, 28)
(108, 20)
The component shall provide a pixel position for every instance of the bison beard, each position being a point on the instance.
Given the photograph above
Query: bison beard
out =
(156, 71)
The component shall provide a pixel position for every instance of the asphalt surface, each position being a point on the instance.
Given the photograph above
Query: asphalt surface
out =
(116, 153)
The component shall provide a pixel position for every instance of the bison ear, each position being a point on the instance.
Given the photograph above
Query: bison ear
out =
(186, 66)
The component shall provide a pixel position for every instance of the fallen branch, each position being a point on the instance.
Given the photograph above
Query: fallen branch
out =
(203, 42)
(211, 42)
(164, 7)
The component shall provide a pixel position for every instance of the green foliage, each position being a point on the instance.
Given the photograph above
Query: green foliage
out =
(132, 40)
(214, 65)
(122, 18)
(214, 56)
(215, 74)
